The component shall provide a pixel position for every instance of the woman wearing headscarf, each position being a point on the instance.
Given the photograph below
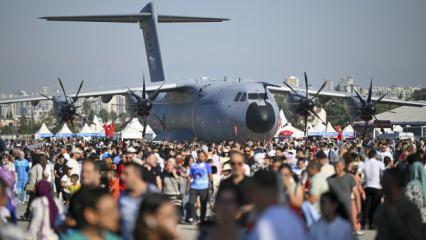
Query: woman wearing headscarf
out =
(416, 190)
(46, 211)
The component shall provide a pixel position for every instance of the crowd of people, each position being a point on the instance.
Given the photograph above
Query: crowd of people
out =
(278, 189)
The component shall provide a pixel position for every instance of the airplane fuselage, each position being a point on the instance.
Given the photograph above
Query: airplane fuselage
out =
(214, 111)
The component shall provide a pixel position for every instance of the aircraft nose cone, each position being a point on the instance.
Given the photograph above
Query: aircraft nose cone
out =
(260, 119)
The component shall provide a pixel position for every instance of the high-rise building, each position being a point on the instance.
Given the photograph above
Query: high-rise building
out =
(292, 81)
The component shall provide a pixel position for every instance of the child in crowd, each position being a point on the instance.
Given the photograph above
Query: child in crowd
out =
(75, 184)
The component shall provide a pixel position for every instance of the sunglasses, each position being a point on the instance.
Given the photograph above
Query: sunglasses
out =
(236, 163)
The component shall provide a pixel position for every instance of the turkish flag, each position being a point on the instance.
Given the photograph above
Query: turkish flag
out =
(109, 130)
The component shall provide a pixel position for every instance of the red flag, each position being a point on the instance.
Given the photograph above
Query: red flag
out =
(340, 135)
(109, 130)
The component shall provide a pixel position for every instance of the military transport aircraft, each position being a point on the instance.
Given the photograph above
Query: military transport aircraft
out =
(212, 110)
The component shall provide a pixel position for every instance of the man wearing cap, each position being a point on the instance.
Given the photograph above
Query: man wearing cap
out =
(72, 163)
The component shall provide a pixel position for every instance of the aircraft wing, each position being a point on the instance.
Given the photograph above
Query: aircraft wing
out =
(97, 93)
(284, 90)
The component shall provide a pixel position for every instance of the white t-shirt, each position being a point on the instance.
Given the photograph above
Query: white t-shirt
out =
(278, 222)
(75, 167)
(338, 229)
(372, 171)
(381, 155)
(67, 181)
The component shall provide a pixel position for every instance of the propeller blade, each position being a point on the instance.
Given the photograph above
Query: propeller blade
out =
(306, 125)
(154, 96)
(364, 130)
(319, 90)
(306, 84)
(161, 121)
(370, 90)
(134, 94)
(143, 88)
(383, 96)
(359, 97)
(78, 92)
(63, 89)
(144, 127)
(48, 98)
(317, 116)
(381, 129)
(291, 88)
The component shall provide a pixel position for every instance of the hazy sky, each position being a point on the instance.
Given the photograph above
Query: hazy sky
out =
(265, 40)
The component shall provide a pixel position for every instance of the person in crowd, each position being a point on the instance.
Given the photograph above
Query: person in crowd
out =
(152, 170)
(171, 184)
(334, 223)
(97, 215)
(58, 171)
(36, 174)
(22, 166)
(72, 163)
(372, 172)
(8, 211)
(397, 217)
(416, 190)
(90, 174)
(65, 185)
(271, 214)
(8, 164)
(345, 187)
(384, 152)
(242, 182)
(226, 209)
(387, 161)
(356, 212)
(8, 230)
(226, 171)
(293, 191)
(200, 177)
(75, 184)
(113, 183)
(327, 169)
(156, 219)
(46, 213)
(317, 186)
(130, 199)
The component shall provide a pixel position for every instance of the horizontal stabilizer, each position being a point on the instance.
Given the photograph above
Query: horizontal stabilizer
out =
(133, 18)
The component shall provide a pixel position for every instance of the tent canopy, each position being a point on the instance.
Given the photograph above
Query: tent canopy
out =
(64, 132)
(86, 131)
(43, 132)
(134, 128)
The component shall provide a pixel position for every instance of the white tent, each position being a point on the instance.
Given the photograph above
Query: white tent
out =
(329, 128)
(133, 130)
(86, 131)
(97, 127)
(348, 129)
(64, 132)
(290, 131)
(43, 132)
(398, 128)
(286, 129)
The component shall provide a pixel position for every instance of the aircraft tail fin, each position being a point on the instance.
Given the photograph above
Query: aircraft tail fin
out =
(147, 19)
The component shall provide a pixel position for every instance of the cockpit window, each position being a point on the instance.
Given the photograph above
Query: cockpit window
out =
(255, 96)
(243, 97)
(237, 97)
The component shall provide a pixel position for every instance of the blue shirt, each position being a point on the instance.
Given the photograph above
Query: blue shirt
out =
(199, 173)
(117, 159)
(22, 166)
(129, 210)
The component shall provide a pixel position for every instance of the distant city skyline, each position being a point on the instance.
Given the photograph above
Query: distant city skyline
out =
(270, 41)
